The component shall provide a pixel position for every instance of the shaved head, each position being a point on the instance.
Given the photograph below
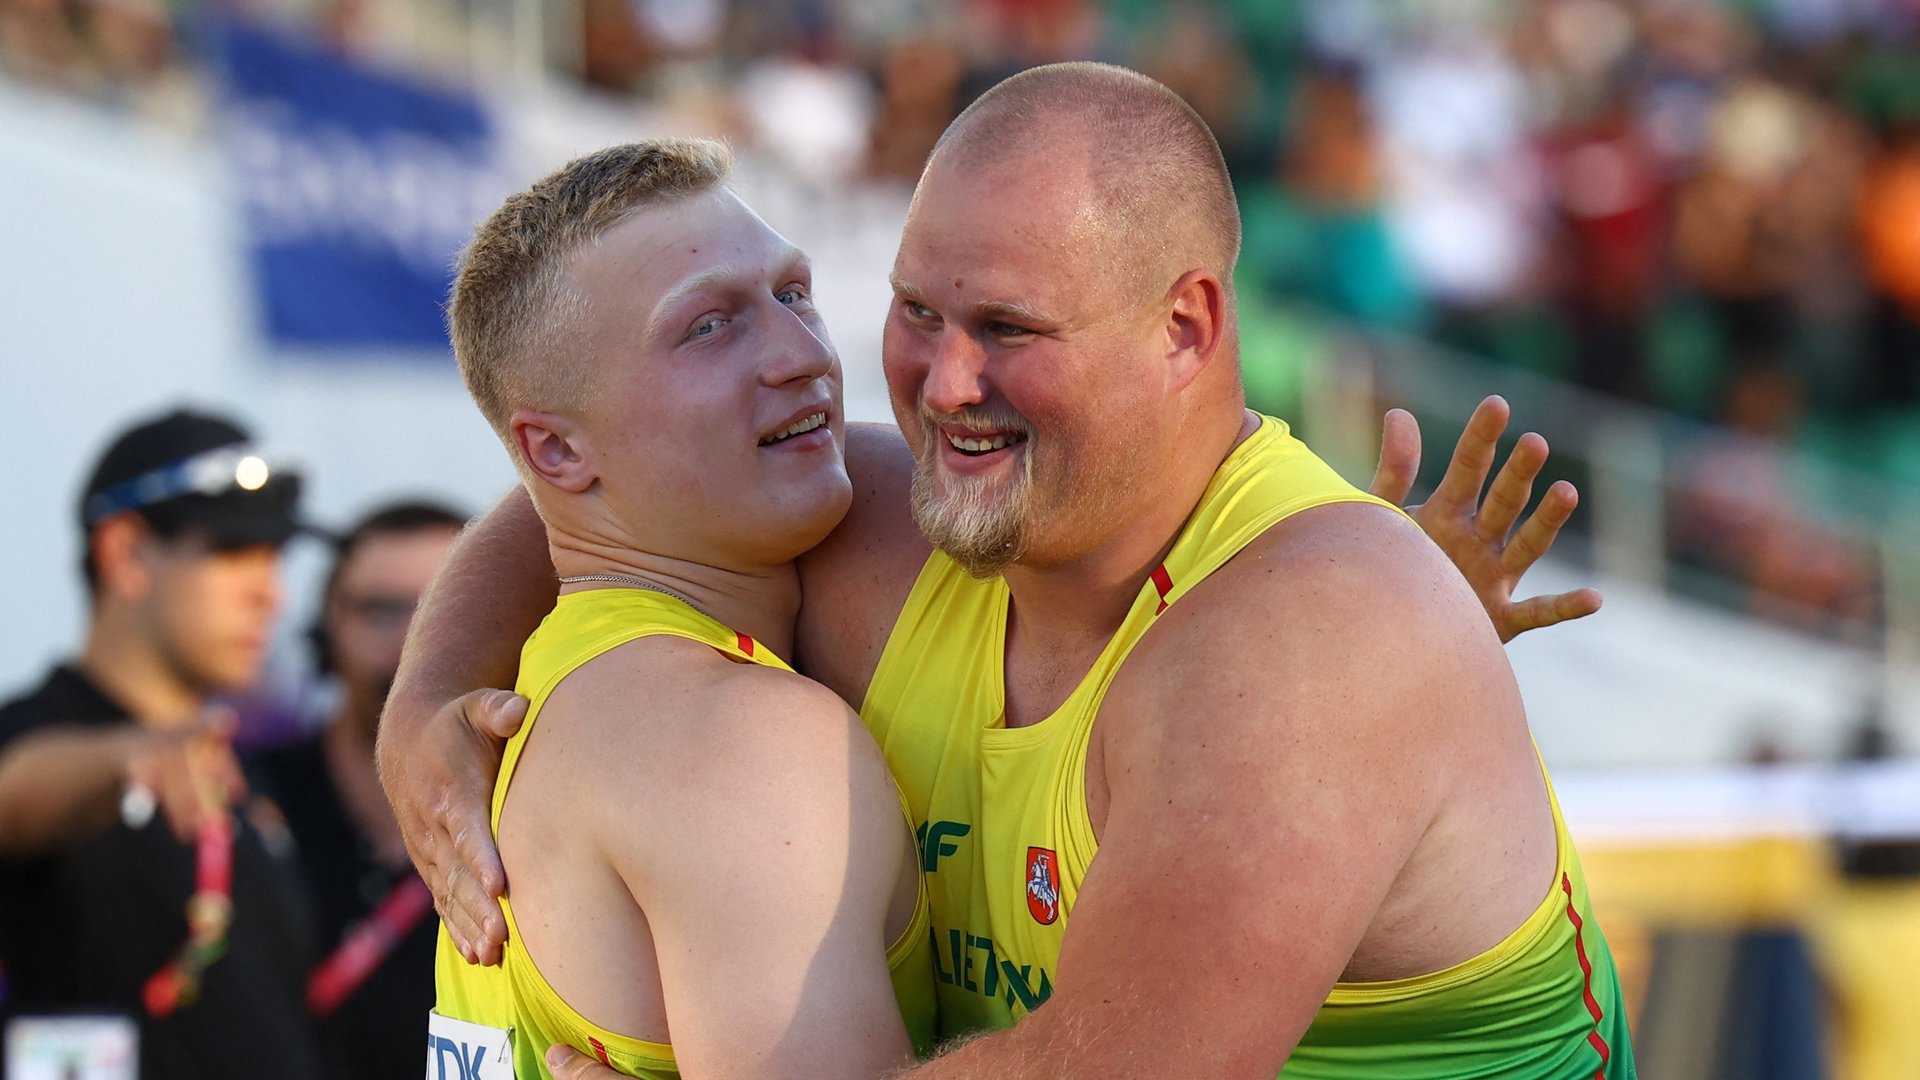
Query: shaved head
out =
(1158, 185)
(1062, 348)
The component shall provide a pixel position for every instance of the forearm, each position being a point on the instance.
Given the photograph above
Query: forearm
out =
(1028, 1049)
(60, 784)
(490, 595)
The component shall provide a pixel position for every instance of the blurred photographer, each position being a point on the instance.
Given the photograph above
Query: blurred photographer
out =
(375, 917)
(128, 884)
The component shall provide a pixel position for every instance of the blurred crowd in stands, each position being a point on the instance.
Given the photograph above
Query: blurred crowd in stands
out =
(1706, 204)
(1711, 206)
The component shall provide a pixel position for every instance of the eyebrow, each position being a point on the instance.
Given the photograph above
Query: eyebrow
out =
(991, 309)
(790, 257)
(1002, 309)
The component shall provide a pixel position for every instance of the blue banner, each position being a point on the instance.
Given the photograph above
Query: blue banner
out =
(359, 188)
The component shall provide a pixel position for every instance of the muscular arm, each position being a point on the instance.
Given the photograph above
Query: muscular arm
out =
(495, 587)
(1259, 815)
(490, 594)
(854, 584)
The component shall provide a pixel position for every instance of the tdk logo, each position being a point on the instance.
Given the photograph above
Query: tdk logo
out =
(467, 1059)
(458, 1050)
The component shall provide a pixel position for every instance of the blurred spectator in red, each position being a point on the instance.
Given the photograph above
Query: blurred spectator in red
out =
(176, 909)
(374, 915)
(1889, 232)
(1608, 185)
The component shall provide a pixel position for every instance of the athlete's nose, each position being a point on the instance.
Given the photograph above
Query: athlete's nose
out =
(800, 350)
(956, 374)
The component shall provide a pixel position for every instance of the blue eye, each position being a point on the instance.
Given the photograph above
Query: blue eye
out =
(707, 327)
(791, 296)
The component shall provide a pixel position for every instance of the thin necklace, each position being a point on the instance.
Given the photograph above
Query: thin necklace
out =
(637, 583)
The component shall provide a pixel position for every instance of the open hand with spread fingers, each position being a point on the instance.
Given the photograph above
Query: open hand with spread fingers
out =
(1477, 533)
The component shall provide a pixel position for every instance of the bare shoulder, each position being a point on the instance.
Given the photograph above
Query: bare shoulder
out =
(1343, 616)
(854, 583)
(1356, 570)
(689, 715)
(715, 750)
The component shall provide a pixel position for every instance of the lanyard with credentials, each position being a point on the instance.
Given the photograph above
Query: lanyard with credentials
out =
(209, 914)
(367, 945)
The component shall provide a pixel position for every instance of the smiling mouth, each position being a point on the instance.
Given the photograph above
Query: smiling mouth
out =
(800, 427)
(975, 447)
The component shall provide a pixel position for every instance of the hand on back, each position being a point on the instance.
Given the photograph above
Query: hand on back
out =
(439, 775)
(1478, 533)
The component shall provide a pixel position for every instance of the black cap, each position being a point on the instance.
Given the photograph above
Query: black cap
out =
(188, 470)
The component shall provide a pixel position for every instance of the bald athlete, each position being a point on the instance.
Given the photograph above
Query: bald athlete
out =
(1219, 768)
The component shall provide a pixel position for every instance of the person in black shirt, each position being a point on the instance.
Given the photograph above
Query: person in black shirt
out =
(173, 910)
(372, 992)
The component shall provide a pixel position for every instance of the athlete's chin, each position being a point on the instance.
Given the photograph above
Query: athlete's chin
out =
(807, 514)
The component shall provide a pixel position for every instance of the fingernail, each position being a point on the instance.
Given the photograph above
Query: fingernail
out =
(558, 1055)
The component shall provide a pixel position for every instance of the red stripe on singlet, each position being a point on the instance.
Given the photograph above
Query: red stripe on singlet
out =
(600, 1049)
(745, 643)
(1162, 584)
(1586, 981)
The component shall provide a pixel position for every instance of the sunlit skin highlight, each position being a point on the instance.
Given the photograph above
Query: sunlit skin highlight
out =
(693, 316)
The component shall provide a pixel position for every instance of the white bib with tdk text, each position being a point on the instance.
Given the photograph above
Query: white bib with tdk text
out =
(458, 1050)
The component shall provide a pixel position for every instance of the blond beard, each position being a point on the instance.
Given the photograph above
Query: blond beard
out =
(983, 533)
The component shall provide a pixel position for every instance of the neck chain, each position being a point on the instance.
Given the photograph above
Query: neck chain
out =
(637, 583)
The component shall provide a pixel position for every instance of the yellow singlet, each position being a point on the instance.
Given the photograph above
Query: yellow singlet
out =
(1006, 839)
(513, 996)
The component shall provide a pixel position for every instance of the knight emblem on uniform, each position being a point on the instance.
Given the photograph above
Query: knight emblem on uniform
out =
(1043, 885)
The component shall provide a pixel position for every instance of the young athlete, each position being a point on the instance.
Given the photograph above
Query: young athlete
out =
(648, 350)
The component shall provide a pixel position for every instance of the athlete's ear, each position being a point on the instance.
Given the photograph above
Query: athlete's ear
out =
(1196, 325)
(554, 448)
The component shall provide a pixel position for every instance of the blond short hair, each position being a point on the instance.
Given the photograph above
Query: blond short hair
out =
(511, 312)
